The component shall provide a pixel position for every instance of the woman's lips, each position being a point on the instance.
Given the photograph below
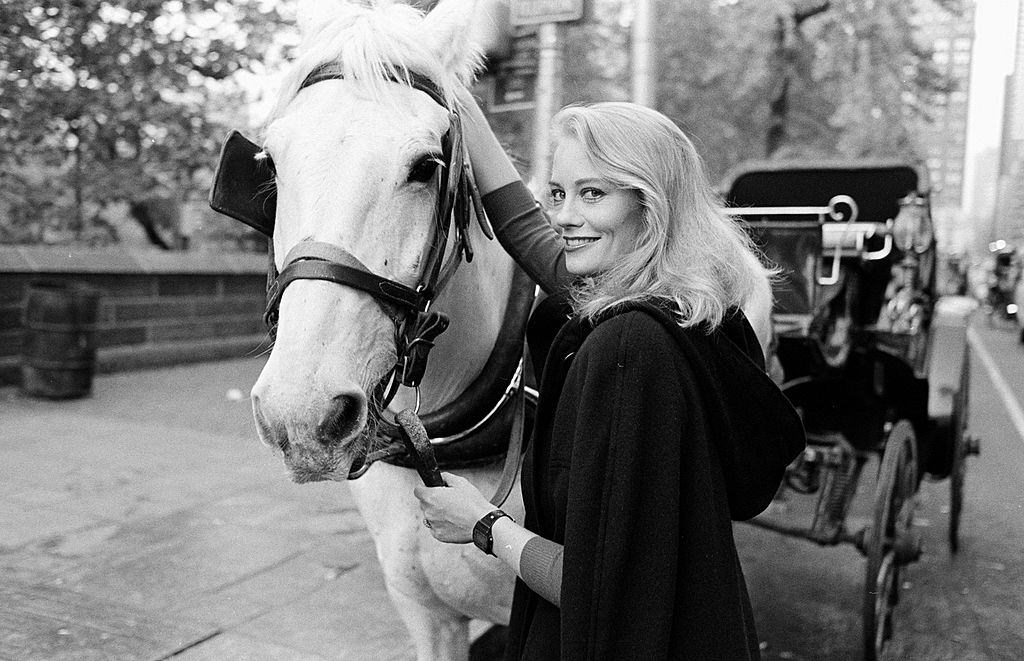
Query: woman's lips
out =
(576, 243)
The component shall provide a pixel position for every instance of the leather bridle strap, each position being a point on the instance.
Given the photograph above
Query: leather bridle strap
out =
(316, 260)
(417, 327)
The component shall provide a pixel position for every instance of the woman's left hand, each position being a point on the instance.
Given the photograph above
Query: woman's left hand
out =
(451, 512)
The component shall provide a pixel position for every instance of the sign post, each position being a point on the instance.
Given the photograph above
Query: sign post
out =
(548, 63)
(545, 14)
(644, 91)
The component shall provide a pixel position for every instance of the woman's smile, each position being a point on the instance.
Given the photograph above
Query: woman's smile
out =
(577, 242)
(599, 221)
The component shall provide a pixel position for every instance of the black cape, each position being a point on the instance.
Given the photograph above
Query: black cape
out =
(649, 440)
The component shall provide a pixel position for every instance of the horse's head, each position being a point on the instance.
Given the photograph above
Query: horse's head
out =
(357, 153)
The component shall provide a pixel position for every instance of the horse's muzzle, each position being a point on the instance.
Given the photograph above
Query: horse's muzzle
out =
(314, 436)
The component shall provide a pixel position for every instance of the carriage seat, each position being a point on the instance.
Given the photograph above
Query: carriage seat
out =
(826, 284)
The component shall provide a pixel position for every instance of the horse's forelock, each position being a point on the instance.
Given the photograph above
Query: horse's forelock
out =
(373, 45)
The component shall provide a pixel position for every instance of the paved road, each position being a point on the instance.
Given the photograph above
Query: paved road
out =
(146, 522)
(968, 607)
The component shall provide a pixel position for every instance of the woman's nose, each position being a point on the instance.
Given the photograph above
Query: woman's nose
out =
(566, 216)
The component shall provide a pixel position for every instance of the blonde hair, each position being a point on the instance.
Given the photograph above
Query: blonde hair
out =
(689, 252)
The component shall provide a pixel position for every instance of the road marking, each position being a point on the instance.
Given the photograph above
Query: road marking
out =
(1002, 387)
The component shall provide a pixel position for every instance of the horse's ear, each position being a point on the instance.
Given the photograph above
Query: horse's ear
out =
(447, 27)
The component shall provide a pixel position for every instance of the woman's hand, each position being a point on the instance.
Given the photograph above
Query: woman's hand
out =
(451, 512)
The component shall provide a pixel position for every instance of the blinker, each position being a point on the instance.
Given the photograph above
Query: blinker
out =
(243, 187)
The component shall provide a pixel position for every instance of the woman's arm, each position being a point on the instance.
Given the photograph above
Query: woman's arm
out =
(519, 224)
(451, 513)
(492, 167)
(536, 560)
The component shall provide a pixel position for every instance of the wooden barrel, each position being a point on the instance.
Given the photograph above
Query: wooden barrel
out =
(58, 350)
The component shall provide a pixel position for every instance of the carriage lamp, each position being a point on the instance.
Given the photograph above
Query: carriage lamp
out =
(911, 229)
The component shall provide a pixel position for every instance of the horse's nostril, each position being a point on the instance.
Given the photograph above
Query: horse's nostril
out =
(344, 418)
(266, 431)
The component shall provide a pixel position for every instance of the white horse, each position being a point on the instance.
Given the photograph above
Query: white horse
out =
(345, 151)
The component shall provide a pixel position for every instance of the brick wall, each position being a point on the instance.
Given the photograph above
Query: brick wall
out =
(156, 308)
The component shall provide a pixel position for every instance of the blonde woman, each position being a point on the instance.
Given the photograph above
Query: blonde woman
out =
(656, 424)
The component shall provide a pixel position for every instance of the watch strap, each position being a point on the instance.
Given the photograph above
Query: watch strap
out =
(482, 536)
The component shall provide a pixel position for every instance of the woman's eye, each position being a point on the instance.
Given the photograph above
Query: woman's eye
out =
(424, 169)
(591, 194)
(556, 196)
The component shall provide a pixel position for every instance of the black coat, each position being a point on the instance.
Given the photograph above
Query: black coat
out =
(649, 440)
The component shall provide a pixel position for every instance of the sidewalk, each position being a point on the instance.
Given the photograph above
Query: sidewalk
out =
(148, 522)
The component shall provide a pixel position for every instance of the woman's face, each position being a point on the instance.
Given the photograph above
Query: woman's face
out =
(599, 222)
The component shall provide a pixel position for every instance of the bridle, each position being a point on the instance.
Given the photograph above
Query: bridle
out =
(245, 169)
(416, 325)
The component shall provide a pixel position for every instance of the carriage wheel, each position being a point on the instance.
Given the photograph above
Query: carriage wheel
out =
(889, 541)
(963, 446)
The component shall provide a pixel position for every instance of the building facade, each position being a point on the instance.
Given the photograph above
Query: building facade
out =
(942, 135)
(1008, 216)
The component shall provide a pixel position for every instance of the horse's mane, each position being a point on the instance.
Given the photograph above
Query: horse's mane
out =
(373, 45)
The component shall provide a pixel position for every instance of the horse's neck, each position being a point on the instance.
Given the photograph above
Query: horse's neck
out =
(474, 300)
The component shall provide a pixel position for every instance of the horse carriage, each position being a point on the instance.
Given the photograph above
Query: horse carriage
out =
(877, 364)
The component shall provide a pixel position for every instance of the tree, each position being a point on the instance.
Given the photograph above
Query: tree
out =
(754, 79)
(790, 58)
(879, 73)
(113, 100)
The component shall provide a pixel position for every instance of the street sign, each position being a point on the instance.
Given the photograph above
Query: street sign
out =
(515, 77)
(514, 91)
(533, 12)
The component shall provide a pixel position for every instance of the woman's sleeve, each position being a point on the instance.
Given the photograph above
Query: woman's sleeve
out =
(524, 232)
(540, 567)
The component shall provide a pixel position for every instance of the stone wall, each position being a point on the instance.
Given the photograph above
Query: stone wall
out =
(156, 307)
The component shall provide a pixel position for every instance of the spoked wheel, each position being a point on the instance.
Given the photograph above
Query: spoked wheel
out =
(963, 445)
(889, 542)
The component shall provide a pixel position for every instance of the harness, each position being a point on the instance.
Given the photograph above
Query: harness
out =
(244, 190)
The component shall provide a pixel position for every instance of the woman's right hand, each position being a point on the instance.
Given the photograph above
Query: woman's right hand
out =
(451, 512)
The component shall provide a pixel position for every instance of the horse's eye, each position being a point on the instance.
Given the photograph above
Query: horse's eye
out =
(424, 169)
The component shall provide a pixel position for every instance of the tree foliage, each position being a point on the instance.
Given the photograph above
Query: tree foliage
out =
(104, 101)
(752, 79)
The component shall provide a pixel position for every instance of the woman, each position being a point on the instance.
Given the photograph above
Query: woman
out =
(656, 423)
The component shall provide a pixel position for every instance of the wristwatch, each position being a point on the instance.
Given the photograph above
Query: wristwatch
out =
(482, 531)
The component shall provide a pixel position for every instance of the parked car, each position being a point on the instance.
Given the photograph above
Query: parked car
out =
(1018, 300)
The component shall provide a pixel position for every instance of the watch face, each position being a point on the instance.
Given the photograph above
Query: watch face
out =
(481, 539)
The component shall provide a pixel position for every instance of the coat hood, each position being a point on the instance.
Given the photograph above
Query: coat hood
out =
(756, 432)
